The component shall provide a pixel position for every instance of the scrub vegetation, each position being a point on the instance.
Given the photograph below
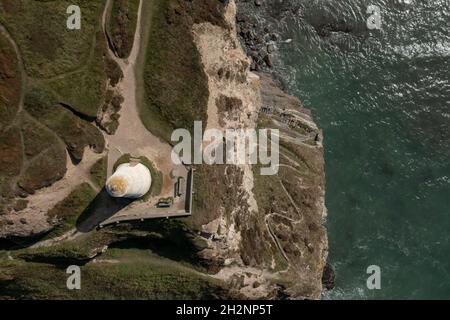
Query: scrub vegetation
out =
(122, 26)
(150, 260)
(52, 82)
(48, 48)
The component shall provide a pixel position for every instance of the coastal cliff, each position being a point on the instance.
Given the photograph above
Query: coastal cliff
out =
(250, 236)
(270, 242)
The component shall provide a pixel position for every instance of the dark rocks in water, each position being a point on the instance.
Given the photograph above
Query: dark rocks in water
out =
(274, 37)
(325, 30)
(255, 41)
(328, 277)
(280, 9)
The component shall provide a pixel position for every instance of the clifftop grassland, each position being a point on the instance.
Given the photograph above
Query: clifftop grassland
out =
(55, 81)
(175, 84)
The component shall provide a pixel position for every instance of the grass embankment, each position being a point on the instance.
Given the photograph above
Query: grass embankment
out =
(99, 171)
(122, 26)
(85, 90)
(10, 82)
(74, 131)
(11, 156)
(125, 274)
(175, 85)
(150, 260)
(66, 212)
(66, 76)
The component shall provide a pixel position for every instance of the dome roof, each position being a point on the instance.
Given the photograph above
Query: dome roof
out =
(129, 181)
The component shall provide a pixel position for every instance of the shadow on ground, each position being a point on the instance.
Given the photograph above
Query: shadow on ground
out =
(100, 209)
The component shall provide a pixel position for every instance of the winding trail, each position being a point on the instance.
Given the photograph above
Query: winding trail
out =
(46, 198)
(132, 137)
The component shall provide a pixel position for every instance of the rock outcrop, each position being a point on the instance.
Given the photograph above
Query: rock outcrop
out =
(267, 239)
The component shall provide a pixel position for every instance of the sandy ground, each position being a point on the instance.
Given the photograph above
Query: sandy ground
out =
(131, 136)
(45, 199)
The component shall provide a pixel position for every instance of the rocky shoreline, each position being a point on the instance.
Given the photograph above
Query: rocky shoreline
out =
(259, 42)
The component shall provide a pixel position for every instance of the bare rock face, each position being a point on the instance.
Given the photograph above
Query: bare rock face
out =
(265, 234)
(328, 277)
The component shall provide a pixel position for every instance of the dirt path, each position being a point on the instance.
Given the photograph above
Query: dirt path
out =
(45, 199)
(132, 137)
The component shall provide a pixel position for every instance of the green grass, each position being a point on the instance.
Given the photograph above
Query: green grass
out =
(167, 238)
(44, 170)
(85, 89)
(149, 260)
(75, 132)
(175, 85)
(10, 152)
(73, 63)
(47, 46)
(79, 250)
(134, 274)
(63, 67)
(42, 155)
(36, 136)
(66, 212)
(11, 155)
(157, 177)
(99, 171)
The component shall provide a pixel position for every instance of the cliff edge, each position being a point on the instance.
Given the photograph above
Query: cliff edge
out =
(266, 235)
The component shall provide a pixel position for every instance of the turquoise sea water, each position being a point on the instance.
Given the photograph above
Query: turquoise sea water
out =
(382, 98)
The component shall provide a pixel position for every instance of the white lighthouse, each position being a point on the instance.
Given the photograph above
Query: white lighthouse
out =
(129, 181)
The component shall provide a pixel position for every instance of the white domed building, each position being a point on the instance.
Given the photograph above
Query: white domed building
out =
(131, 181)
